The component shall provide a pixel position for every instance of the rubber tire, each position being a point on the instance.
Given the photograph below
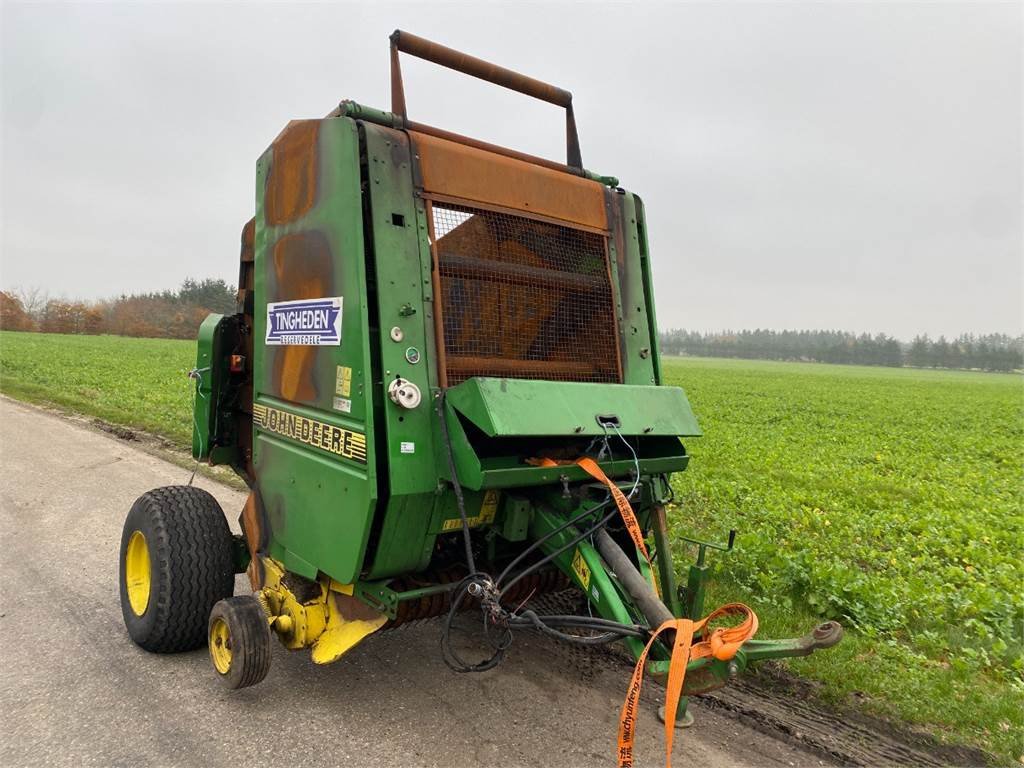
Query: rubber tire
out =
(249, 632)
(192, 566)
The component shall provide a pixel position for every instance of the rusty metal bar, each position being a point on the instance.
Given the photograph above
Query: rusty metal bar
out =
(463, 364)
(484, 70)
(458, 138)
(473, 268)
(474, 67)
(358, 111)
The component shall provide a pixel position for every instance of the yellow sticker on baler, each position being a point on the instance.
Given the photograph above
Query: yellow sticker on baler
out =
(326, 437)
(581, 569)
(343, 381)
(488, 509)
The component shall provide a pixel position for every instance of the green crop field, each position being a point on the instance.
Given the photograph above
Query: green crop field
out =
(887, 498)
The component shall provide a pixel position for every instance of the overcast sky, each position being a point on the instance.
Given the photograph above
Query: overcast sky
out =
(804, 165)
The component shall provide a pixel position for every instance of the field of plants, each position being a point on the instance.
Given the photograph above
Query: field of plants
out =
(887, 498)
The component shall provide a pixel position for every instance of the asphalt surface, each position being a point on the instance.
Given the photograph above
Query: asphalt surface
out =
(76, 691)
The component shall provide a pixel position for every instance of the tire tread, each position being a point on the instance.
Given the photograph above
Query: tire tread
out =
(192, 546)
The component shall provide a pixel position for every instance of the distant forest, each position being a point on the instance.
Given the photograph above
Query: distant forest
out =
(177, 315)
(991, 352)
(164, 315)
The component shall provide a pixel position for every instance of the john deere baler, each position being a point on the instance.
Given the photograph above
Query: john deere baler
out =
(443, 389)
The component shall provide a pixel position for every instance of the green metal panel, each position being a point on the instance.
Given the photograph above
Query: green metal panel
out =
(659, 455)
(402, 262)
(648, 278)
(316, 504)
(204, 408)
(524, 407)
(635, 329)
(215, 394)
(403, 329)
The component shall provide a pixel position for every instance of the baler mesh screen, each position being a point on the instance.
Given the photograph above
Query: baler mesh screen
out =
(523, 299)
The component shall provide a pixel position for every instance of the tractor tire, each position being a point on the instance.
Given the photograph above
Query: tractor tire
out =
(239, 641)
(176, 562)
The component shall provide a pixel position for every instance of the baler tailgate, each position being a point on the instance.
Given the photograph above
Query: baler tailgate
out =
(525, 408)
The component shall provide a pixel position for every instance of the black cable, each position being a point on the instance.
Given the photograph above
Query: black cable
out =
(539, 542)
(482, 587)
(587, 622)
(449, 655)
(597, 526)
(529, 618)
(594, 622)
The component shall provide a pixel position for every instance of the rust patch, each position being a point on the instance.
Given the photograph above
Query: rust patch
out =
(498, 312)
(303, 269)
(292, 181)
(353, 609)
(456, 170)
(248, 239)
(253, 523)
(522, 297)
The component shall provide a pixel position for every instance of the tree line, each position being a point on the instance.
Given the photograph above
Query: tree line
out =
(177, 315)
(989, 352)
(166, 314)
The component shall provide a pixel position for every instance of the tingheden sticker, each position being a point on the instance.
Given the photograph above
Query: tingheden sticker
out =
(307, 322)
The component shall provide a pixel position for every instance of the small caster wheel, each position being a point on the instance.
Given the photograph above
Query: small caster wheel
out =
(682, 721)
(239, 641)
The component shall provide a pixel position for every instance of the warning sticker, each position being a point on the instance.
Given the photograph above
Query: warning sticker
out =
(342, 404)
(488, 509)
(581, 569)
(490, 506)
(343, 381)
(306, 322)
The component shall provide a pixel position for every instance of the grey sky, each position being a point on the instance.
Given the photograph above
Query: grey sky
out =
(852, 166)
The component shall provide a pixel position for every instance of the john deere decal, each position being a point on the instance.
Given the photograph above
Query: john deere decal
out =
(307, 322)
(327, 437)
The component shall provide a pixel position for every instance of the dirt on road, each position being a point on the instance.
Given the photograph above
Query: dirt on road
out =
(76, 691)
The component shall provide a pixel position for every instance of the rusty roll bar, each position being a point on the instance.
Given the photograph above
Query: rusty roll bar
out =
(492, 73)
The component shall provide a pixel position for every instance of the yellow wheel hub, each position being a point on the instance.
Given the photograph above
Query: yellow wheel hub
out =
(137, 573)
(220, 645)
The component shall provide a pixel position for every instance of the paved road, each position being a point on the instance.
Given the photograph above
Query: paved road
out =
(76, 691)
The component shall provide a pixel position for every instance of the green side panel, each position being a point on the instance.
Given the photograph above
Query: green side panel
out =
(645, 259)
(313, 437)
(633, 304)
(205, 386)
(523, 407)
(402, 262)
(214, 411)
(403, 327)
(405, 544)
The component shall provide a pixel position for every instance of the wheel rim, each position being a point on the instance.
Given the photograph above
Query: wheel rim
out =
(220, 645)
(137, 573)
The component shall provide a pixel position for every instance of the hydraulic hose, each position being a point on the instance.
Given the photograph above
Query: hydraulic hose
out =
(635, 584)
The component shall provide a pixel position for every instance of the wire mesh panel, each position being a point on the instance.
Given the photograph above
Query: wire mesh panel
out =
(522, 298)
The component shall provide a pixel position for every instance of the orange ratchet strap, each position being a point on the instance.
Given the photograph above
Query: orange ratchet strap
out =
(722, 644)
(592, 468)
